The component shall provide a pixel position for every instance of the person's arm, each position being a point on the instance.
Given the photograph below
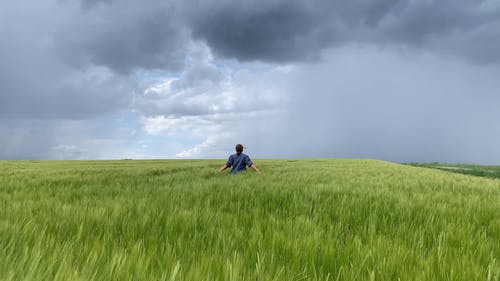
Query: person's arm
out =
(252, 165)
(255, 168)
(228, 164)
(223, 168)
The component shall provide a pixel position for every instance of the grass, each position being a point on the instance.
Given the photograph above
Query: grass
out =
(329, 219)
(492, 172)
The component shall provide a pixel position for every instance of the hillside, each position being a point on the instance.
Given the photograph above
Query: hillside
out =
(313, 219)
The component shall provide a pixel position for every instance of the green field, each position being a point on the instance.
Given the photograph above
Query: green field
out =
(330, 219)
(492, 172)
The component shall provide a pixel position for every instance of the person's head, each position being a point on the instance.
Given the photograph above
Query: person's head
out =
(239, 149)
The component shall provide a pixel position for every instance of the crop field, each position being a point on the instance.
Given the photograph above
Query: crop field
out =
(326, 219)
(466, 169)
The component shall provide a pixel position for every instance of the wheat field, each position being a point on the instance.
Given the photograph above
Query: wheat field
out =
(307, 219)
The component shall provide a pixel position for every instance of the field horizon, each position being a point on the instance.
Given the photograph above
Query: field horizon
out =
(301, 219)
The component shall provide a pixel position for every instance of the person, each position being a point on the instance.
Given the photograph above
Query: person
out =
(238, 162)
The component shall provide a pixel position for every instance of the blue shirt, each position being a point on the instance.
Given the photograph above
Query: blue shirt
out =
(238, 162)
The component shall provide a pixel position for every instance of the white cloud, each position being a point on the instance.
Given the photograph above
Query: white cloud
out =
(163, 86)
(200, 150)
(172, 126)
(211, 100)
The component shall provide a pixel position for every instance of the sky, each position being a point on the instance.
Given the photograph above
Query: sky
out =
(396, 80)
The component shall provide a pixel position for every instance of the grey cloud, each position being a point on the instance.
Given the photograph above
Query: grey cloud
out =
(36, 82)
(200, 75)
(66, 95)
(93, 3)
(417, 22)
(379, 104)
(376, 103)
(128, 35)
(94, 138)
(67, 59)
(277, 33)
(480, 45)
(280, 31)
(125, 36)
(17, 139)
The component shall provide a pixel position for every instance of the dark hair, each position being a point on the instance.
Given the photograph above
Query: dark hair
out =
(239, 149)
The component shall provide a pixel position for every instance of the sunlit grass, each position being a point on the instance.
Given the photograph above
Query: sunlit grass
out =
(333, 219)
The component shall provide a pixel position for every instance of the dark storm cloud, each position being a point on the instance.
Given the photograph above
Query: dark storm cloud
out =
(295, 30)
(278, 33)
(125, 36)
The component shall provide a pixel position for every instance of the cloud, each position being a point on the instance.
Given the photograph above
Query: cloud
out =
(62, 151)
(36, 82)
(125, 37)
(377, 103)
(105, 137)
(209, 92)
(211, 101)
(25, 139)
(281, 31)
(478, 46)
(196, 126)
(388, 79)
(82, 61)
(68, 95)
(210, 148)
